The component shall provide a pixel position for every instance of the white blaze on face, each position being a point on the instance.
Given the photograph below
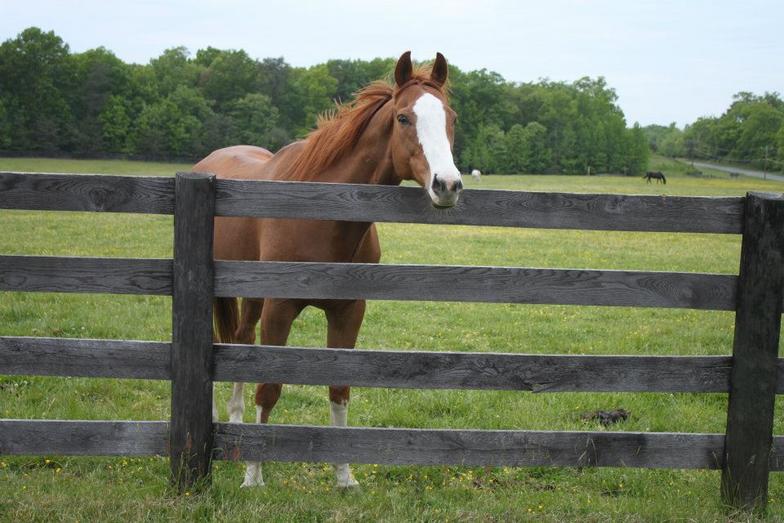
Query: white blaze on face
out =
(431, 131)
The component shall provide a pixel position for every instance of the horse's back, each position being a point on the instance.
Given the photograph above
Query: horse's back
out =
(239, 162)
(236, 238)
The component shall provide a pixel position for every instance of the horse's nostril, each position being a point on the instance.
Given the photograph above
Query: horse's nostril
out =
(438, 185)
(458, 186)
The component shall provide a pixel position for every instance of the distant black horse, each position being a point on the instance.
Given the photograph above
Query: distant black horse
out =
(655, 175)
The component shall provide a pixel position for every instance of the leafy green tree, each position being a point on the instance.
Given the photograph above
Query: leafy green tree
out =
(34, 70)
(173, 69)
(759, 129)
(254, 118)
(217, 132)
(487, 151)
(536, 151)
(92, 103)
(666, 140)
(173, 126)
(477, 97)
(747, 132)
(672, 143)
(205, 57)
(310, 95)
(115, 125)
(526, 149)
(655, 134)
(98, 76)
(274, 76)
(350, 75)
(228, 77)
(780, 141)
(5, 127)
(516, 160)
(639, 152)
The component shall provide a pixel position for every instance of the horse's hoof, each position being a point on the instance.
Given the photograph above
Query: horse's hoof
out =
(249, 483)
(349, 482)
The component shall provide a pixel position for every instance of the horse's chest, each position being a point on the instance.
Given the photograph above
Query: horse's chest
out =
(310, 240)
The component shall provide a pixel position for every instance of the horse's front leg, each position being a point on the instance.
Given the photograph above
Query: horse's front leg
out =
(250, 313)
(344, 320)
(276, 319)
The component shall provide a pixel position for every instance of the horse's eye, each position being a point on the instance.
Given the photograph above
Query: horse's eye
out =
(402, 118)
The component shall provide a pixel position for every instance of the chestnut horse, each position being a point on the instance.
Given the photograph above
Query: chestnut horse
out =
(389, 133)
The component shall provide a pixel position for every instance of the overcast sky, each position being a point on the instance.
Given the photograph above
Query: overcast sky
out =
(667, 60)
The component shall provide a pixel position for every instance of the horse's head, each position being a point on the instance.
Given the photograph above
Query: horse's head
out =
(423, 132)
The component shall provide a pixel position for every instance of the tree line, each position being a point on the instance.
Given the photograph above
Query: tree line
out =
(750, 131)
(178, 106)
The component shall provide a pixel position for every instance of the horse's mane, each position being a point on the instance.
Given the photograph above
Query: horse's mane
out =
(338, 131)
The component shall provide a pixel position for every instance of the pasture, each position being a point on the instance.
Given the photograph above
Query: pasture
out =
(46, 488)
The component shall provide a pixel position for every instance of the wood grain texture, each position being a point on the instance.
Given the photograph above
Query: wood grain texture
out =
(79, 192)
(467, 447)
(191, 350)
(84, 438)
(755, 353)
(155, 195)
(607, 212)
(366, 368)
(474, 284)
(461, 370)
(465, 370)
(85, 275)
(374, 445)
(85, 358)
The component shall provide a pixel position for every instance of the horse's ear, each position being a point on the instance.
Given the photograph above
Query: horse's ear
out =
(440, 70)
(403, 70)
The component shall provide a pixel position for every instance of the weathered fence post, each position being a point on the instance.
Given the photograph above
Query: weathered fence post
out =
(747, 445)
(191, 356)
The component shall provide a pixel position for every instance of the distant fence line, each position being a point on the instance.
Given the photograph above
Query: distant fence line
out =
(753, 375)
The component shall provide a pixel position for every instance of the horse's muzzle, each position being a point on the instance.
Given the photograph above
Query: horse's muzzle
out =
(445, 191)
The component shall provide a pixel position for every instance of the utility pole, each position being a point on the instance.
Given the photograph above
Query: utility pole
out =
(765, 165)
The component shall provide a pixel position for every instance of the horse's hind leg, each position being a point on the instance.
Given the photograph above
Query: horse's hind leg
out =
(344, 320)
(276, 319)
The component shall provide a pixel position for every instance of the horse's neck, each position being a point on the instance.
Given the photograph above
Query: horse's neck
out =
(370, 161)
(367, 167)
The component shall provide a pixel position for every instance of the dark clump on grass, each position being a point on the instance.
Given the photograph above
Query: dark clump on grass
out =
(607, 417)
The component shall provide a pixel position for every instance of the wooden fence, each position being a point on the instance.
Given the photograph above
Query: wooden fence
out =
(753, 375)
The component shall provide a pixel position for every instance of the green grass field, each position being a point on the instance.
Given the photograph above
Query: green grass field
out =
(114, 489)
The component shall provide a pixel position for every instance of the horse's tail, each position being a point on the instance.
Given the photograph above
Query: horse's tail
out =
(664, 179)
(225, 318)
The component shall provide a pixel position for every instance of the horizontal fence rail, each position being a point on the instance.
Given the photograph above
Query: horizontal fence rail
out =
(487, 371)
(84, 438)
(85, 358)
(381, 282)
(474, 284)
(398, 446)
(86, 275)
(376, 368)
(378, 203)
(365, 203)
(80, 192)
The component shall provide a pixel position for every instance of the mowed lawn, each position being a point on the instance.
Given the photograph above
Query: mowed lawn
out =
(114, 489)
